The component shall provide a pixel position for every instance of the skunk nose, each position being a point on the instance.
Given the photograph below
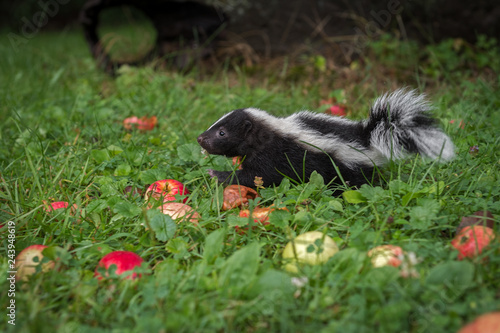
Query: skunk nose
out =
(200, 139)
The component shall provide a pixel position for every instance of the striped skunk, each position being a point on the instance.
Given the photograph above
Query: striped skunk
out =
(295, 146)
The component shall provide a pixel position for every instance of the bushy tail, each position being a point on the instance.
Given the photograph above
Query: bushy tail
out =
(400, 123)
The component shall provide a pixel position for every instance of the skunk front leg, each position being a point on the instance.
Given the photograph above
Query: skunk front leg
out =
(233, 177)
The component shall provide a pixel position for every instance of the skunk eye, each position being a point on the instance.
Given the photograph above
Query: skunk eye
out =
(221, 133)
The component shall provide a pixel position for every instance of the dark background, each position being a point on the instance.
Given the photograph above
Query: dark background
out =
(272, 27)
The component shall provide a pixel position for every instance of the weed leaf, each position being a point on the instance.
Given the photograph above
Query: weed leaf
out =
(353, 197)
(162, 225)
(240, 269)
(213, 245)
(127, 209)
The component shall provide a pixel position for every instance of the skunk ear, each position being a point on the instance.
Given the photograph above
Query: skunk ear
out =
(248, 126)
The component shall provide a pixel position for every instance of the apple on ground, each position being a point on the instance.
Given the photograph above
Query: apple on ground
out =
(237, 162)
(144, 123)
(386, 255)
(59, 205)
(165, 190)
(392, 255)
(180, 212)
(26, 264)
(487, 323)
(237, 196)
(471, 240)
(311, 248)
(123, 260)
(260, 215)
(336, 110)
(333, 108)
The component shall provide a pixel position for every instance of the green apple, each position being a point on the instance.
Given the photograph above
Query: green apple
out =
(310, 248)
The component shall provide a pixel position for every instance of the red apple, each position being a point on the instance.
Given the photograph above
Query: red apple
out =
(123, 260)
(487, 323)
(333, 108)
(59, 205)
(386, 255)
(337, 110)
(180, 212)
(166, 190)
(471, 240)
(26, 265)
(144, 123)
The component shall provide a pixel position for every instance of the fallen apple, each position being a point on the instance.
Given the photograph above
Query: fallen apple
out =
(311, 248)
(260, 215)
(26, 263)
(123, 260)
(386, 255)
(472, 240)
(392, 255)
(165, 190)
(180, 212)
(59, 205)
(237, 162)
(143, 123)
(237, 196)
(486, 323)
(333, 108)
(337, 110)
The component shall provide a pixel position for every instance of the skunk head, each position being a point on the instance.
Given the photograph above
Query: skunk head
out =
(227, 136)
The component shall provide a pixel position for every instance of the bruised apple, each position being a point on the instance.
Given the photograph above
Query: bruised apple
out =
(123, 260)
(180, 212)
(386, 255)
(311, 248)
(487, 323)
(237, 196)
(165, 190)
(26, 263)
(260, 215)
(392, 255)
(144, 123)
(471, 240)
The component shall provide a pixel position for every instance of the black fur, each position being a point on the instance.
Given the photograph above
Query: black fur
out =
(272, 147)
(268, 155)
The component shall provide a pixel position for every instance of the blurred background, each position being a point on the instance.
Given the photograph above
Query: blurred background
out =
(325, 32)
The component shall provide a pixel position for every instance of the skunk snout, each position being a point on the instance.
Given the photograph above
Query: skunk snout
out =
(203, 141)
(200, 139)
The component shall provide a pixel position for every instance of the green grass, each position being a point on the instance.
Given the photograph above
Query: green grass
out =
(62, 140)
